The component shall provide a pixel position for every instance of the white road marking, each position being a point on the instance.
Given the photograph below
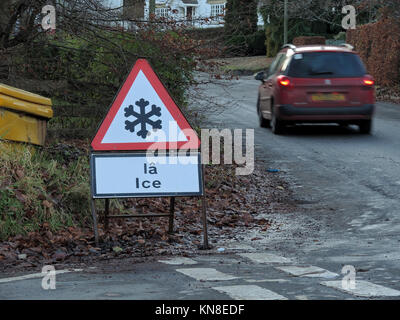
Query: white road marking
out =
(206, 274)
(357, 222)
(249, 292)
(374, 226)
(178, 261)
(36, 275)
(239, 247)
(266, 280)
(311, 272)
(265, 258)
(364, 289)
(222, 259)
(302, 158)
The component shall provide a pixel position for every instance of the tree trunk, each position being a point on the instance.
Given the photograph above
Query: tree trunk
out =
(152, 7)
(134, 9)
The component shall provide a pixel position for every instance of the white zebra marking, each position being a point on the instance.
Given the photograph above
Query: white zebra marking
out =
(264, 258)
(364, 289)
(35, 275)
(311, 272)
(267, 280)
(249, 292)
(178, 261)
(206, 274)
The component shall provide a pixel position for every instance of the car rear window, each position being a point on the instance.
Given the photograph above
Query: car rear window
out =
(326, 65)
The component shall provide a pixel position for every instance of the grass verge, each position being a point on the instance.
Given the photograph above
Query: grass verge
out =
(48, 187)
(244, 65)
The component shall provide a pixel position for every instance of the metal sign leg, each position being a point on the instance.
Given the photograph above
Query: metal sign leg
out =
(204, 214)
(95, 226)
(106, 213)
(204, 218)
(171, 216)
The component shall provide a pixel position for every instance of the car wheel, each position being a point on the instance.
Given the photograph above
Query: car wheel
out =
(277, 125)
(365, 126)
(264, 123)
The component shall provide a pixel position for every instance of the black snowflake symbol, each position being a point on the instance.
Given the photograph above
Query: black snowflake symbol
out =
(142, 118)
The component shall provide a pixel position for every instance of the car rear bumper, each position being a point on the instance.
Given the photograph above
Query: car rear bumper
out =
(289, 112)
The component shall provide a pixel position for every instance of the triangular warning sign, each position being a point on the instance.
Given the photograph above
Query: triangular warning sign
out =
(143, 116)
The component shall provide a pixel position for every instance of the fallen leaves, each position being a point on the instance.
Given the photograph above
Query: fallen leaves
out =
(47, 204)
(20, 173)
(20, 196)
(59, 255)
(118, 249)
(233, 203)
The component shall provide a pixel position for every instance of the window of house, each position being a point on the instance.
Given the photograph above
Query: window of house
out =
(217, 10)
(162, 12)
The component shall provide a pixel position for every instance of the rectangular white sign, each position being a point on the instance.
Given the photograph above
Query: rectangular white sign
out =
(134, 175)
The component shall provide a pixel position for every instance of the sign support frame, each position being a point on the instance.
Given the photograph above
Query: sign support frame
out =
(170, 215)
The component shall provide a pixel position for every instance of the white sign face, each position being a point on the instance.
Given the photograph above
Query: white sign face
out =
(141, 112)
(136, 175)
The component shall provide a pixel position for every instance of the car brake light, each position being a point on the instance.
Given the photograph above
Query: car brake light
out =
(284, 81)
(369, 82)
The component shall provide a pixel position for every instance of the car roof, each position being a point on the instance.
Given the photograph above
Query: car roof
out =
(319, 48)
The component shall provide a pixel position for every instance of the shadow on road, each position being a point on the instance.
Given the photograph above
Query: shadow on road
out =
(323, 129)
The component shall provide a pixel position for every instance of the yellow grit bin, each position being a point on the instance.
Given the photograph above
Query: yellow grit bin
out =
(23, 115)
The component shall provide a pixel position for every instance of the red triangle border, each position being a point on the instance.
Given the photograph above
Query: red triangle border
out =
(144, 66)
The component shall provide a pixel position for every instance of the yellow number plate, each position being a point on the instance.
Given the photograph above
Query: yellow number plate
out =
(317, 97)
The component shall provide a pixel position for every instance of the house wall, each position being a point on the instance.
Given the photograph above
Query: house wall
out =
(202, 10)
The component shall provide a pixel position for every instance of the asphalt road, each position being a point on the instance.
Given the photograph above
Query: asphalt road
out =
(347, 186)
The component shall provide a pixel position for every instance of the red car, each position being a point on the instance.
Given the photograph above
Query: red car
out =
(318, 83)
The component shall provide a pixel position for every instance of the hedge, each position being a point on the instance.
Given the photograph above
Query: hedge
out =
(303, 41)
(379, 47)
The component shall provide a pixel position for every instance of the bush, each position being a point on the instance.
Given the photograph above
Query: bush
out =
(379, 47)
(300, 33)
(250, 45)
(274, 39)
(257, 43)
(94, 66)
(340, 36)
(240, 28)
(303, 41)
(298, 27)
